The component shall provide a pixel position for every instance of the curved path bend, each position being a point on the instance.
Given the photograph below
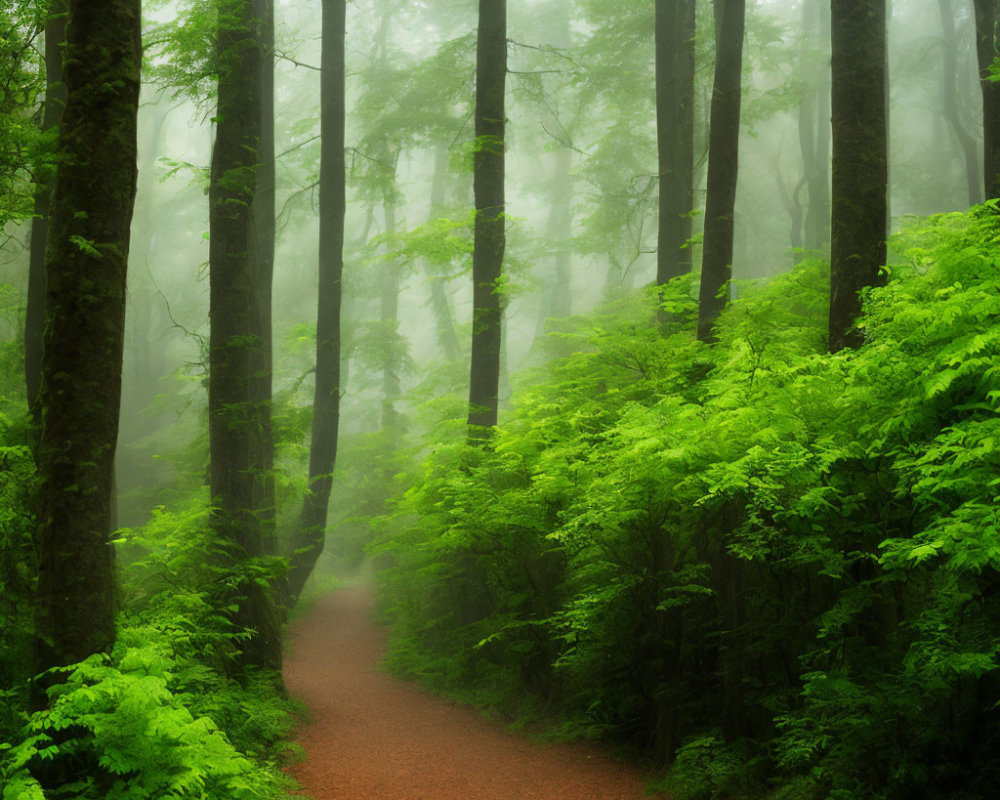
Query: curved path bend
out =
(374, 737)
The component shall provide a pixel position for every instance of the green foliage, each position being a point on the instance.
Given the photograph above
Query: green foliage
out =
(126, 727)
(17, 570)
(180, 53)
(706, 768)
(165, 714)
(788, 559)
(22, 148)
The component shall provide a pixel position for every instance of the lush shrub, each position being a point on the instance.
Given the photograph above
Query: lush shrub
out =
(127, 727)
(791, 553)
(165, 714)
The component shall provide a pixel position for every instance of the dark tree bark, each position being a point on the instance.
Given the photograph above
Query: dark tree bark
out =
(723, 164)
(85, 266)
(860, 159)
(263, 274)
(490, 235)
(814, 127)
(234, 347)
(309, 539)
(55, 99)
(674, 34)
(987, 48)
(949, 96)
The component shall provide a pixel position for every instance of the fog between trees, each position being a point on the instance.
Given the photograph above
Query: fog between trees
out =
(564, 105)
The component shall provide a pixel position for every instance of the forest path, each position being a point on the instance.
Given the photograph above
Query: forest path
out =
(374, 737)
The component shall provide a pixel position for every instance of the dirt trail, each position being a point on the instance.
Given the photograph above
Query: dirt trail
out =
(373, 737)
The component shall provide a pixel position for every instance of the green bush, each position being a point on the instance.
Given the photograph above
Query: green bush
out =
(124, 727)
(789, 554)
(165, 714)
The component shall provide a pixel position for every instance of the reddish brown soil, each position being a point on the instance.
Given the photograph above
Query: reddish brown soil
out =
(373, 737)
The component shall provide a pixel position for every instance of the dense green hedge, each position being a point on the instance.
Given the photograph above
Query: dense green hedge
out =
(776, 566)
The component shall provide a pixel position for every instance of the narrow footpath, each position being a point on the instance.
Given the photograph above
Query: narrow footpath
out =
(374, 737)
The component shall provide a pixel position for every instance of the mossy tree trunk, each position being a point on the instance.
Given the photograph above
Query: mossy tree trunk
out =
(723, 164)
(263, 275)
(674, 34)
(85, 270)
(489, 234)
(235, 342)
(987, 51)
(860, 161)
(309, 539)
(55, 99)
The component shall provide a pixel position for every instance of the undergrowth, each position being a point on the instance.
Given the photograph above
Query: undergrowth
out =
(164, 714)
(774, 567)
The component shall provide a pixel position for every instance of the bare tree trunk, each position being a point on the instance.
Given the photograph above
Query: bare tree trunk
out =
(986, 52)
(675, 31)
(235, 344)
(55, 99)
(949, 87)
(309, 539)
(723, 164)
(263, 275)
(490, 235)
(860, 175)
(85, 265)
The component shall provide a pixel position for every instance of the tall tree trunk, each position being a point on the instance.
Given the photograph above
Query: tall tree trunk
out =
(439, 297)
(55, 99)
(986, 52)
(489, 235)
(814, 125)
(949, 97)
(887, 103)
(234, 346)
(85, 266)
(860, 158)
(309, 539)
(723, 164)
(674, 33)
(263, 274)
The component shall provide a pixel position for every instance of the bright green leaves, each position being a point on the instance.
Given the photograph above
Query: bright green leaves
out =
(160, 717)
(662, 529)
(138, 733)
(24, 150)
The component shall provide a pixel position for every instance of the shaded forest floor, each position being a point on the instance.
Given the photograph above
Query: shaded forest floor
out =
(374, 737)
